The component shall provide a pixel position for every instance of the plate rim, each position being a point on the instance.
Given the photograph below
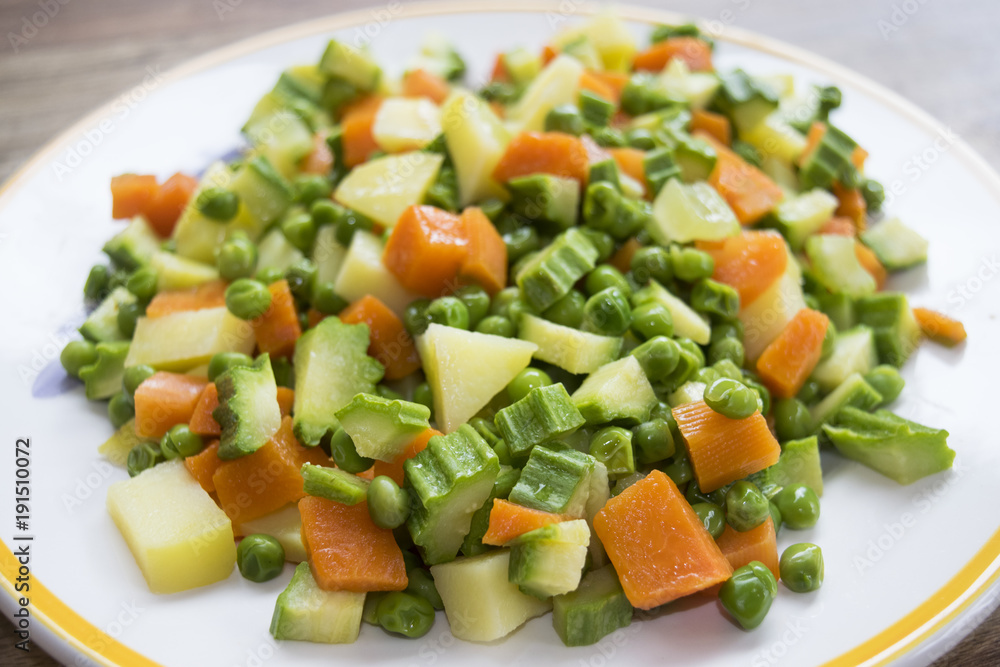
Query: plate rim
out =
(67, 633)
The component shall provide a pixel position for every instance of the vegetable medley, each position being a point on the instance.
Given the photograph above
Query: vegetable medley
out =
(573, 342)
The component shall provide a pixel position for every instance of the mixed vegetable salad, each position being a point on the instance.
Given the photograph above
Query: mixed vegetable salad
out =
(572, 342)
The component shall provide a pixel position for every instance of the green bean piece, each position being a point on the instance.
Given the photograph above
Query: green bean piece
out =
(449, 311)
(496, 326)
(612, 446)
(97, 283)
(77, 355)
(730, 349)
(415, 317)
(746, 506)
(133, 377)
(477, 300)
(128, 317)
(801, 567)
(237, 257)
(775, 516)
(714, 298)
(652, 262)
(223, 361)
(268, 275)
(595, 110)
(345, 454)
(492, 208)
(658, 357)
(712, 517)
(247, 299)
(388, 505)
(731, 398)
(423, 395)
(260, 557)
(311, 187)
(607, 313)
(143, 456)
(748, 595)
(120, 409)
(405, 614)
(650, 320)
(326, 300)
(142, 283)
(421, 583)
(792, 419)
(567, 311)
(565, 118)
(349, 223)
(326, 212)
(118, 279)
(653, 442)
(301, 277)
(691, 265)
(799, 506)
(179, 443)
(643, 94)
(633, 219)
(605, 276)
(218, 204)
(528, 379)
(887, 381)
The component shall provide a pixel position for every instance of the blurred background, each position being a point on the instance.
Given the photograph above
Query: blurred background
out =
(60, 59)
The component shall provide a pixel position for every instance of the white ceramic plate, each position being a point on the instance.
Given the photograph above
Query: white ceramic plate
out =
(908, 569)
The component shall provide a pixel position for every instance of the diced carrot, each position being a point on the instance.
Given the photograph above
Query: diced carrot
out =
(286, 398)
(712, 123)
(347, 551)
(631, 162)
(388, 340)
(203, 423)
(595, 152)
(421, 83)
(356, 125)
(749, 263)
(660, 549)
(622, 259)
(395, 469)
(315, 317)
(426, 249)
(838, 226)
(748, 190)
(499, 72)
(789, 359)
(870, 261)
(758, 544)
(164, 400)
(694, 52)
(548, 54)
(939, 327)
(166, 206)
(131, 194)
(614, 82)
(723, 450)
(278, 328)
(589, 81)
(320, 159)
(858, 157)
(543, 153)
(257, 484)
(852, 205)
(207, 295)
(203, 465)
(485, 264)
(509, 520)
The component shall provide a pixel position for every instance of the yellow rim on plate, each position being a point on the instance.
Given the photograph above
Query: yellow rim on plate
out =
(947, 603)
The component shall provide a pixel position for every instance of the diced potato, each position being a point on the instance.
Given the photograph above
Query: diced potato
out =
(178, 535)
(285, 525)
(117, 447)
(558, 84)
(176, 272)
(765, 318)
(476, 141)
(406, 124)
(181, 341)
(363, 272)
(774, 136)
(679, 82)
(610, 37)
(385, 187)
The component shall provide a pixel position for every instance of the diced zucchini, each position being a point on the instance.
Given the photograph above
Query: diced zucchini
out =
(284, 525)
(103, 378)
(522, 64)
(549, 561)
(611, 38)
(438, 55)
(181, 341)
(839, 308)
(248, 412)
(853, 392)
(102, 324)
(853, 352)
(275, 252)
(546, 413)
(328, 255)
(836, 266)
(557, 84)
(551, 274)
(406, 124)
(473, 543)
(362, 272)
(687, 322)
(568, 348)
(583, 50)
(382, 428)
(555, 481)
(801, 216)
(746, 100)
(680, 83)
(594, 610)
(305, 612)
(176, 272)
(546, 198)
(353, 65)
(897, 333)
(283, 138)
(829, 161)
(696, 212)
(385, 187)
(476, 141)
(689, 392)
(597, 498)
(766, 317)
(619, 390)
(799, 463)
(133, 246)
(774, 136)
(334, 484)
(897, 246)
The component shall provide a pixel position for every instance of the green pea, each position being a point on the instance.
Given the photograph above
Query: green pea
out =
(496, 326)
(311, 187)
(388, 505)
(567, 311)
(477, 300)
(748, 595)
(345, 454)
(731, 398)
(715, 299)
(727, 329)
(503, 300)
(602, 241)
(706, 376)
(601, 206)
(423, 395)
(128, 317)
(301, 277)
(775, 516)
(528, 379)
(516, 309)
(223, 361)
(730, 349)
(118, 279)
(652, 262)
(605, 276)
(502, 451)
(405, 614)
(260, 557)
(679, 471)
(799, 506)
(269, 275)
(415, 317)
(299, 229)
(746, 506)
(640, 138)
(607, 313)
(801, 567)
(634, 217)
(77, 354)
(565, 118)
(97, 283)
(326, 212)
(886, 380)
(449, 311)
(691, 265)
(810, 392)
(421, 583)
(612, 446)
(693, 494)
(348, 224)
(326, 300)
(658, 357)
(237, 257)
(521, 241)
(284, 372)
(247, 299)
(134, 376)
(143, 456)
(712, 517)
(120, 409)
(218, 204)
(812, 303)
(653, 442)
(491, 208)
(650, 320)
(386, 392)
(142, 283)
(692, 348)
(792, 419)
(179, 443)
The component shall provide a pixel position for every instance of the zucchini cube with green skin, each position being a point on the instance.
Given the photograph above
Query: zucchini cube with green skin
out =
(611, 38)
(133, 246)
(839, 308)
(283, 138)
(248, 412)
(546, 413)
(384, 187)
(102, 324)
(549, 561)
(382, 428)
(798, 217)
(551, 274)
(836, 266)
(276, 252)
(473, 543)
(799, 463)
(103, 378)
(449, 480)
(897, 246)
(688, 323)
(680, 83)
(334, 484)
(830, 161)
(898, 448)
(284, 525)
(343, 61)
(480, 602)
(597, 497)
(555, 481)
(744, 99)
(689, 392)
(182, 341)
(853, 392)
(853, 352)
(897, 333)
(774, 136)
(616, 391)
(570, 349)
(328, 255)
(332, 366)
(546, 198)
(684, 213)
(593, 611)
(660, 167)
(305, 612)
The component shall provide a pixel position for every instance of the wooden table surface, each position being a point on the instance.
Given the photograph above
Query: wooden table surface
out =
(942, 56)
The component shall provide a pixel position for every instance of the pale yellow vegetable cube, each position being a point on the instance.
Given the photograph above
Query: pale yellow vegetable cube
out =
(766, 317)
(184, 340)
(476, 141)
(385, 187)
(558, 84)
(285, 525)
(176, 272)
(362, 272)
(406, 124)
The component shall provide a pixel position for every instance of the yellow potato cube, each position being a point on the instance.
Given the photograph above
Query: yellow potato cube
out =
(184, 340)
